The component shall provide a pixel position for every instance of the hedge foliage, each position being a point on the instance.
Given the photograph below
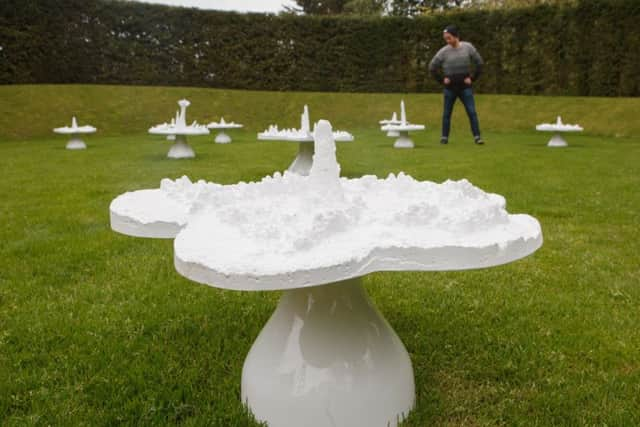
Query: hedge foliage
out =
(592, 48)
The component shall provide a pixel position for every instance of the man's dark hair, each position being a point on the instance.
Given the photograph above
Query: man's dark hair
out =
(453, 30)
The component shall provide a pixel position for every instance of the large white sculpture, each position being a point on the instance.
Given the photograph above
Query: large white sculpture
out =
(402, 129)
(304, 137)
(326, 357)
(557, 128)
(75, 142)
(222, 137)
(179, 130)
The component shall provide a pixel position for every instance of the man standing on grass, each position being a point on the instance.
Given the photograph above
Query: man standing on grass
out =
(452, 66)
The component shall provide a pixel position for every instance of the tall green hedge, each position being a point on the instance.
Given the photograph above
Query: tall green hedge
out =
(592, 48)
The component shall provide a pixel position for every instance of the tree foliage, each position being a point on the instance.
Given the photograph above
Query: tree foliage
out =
(320, 7)
(590, 48)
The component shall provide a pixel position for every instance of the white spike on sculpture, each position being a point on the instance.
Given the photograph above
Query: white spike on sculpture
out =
(557, 128)
(304, 137)
(179, 130)
(75, 142)
(393, 121)
(222, 137)
(326, 357)
(403, 128)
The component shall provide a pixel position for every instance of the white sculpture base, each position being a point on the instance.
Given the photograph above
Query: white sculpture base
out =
(181, 150)
(171, 137)
(393, 134)
(75, 143)
(327, 358)
(557, 141)
(222, 138)
(303, 161)
(403, 141)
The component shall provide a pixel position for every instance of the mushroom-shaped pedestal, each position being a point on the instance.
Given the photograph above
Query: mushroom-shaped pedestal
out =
(402, 129)
(222, 137)
(75, 142)
(393, 121)
(558, 128)
(304, 137)
(326, 357)
(179, 130)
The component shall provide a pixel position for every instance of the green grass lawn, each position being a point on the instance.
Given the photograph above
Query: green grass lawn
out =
(98, 329)
(28, 111)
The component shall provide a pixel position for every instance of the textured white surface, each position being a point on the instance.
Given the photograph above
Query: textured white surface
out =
(402, 125)
(392, 121)
(158, 213)
(178, 125)
(74, 129)
(304, 134)
(222, 124)
(290, 231)
(558, 126)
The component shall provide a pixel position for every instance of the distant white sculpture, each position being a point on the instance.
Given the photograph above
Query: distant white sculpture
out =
(75, 143)
(305, 138)
(179, 130)
(403, 128)
(326, 357)
(222, 137)
(558, 127)
(393, 121)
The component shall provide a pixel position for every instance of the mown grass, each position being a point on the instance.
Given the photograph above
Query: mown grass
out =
(28, 111)
(98, 329)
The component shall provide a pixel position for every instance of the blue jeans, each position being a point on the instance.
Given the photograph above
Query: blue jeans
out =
(466, 96)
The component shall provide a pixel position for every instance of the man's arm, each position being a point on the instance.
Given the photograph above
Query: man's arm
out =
(435, 67)
(477, 61)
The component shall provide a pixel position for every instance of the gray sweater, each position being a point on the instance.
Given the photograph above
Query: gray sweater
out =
(455, 63)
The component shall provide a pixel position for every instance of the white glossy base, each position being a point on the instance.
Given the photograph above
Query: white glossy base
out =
(557, 141)
(327, 358)
(171, 137)
(222, 138)
(393, 134)
(303, 161)
(181, 150)
(403, 141)
(76, 143)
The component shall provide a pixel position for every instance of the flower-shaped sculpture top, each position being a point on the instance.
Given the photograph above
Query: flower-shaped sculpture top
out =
(304, 134)
(403, 124)
(222, 124)
(178, 125)
(74, 129)
(290, 231)
(558, 126)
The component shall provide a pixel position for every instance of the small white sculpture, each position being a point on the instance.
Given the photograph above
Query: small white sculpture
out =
(75, 143)
(393, 121)
(557, 128)
(326, 356)
(304, 137)
(179, 130)
(222, 137)
(402, 129)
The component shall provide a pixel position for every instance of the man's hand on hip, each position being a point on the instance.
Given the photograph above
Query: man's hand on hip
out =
(467, 81)
(447, 81)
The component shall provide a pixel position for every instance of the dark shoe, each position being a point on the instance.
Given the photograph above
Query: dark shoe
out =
(478, 140)
(444, 141)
